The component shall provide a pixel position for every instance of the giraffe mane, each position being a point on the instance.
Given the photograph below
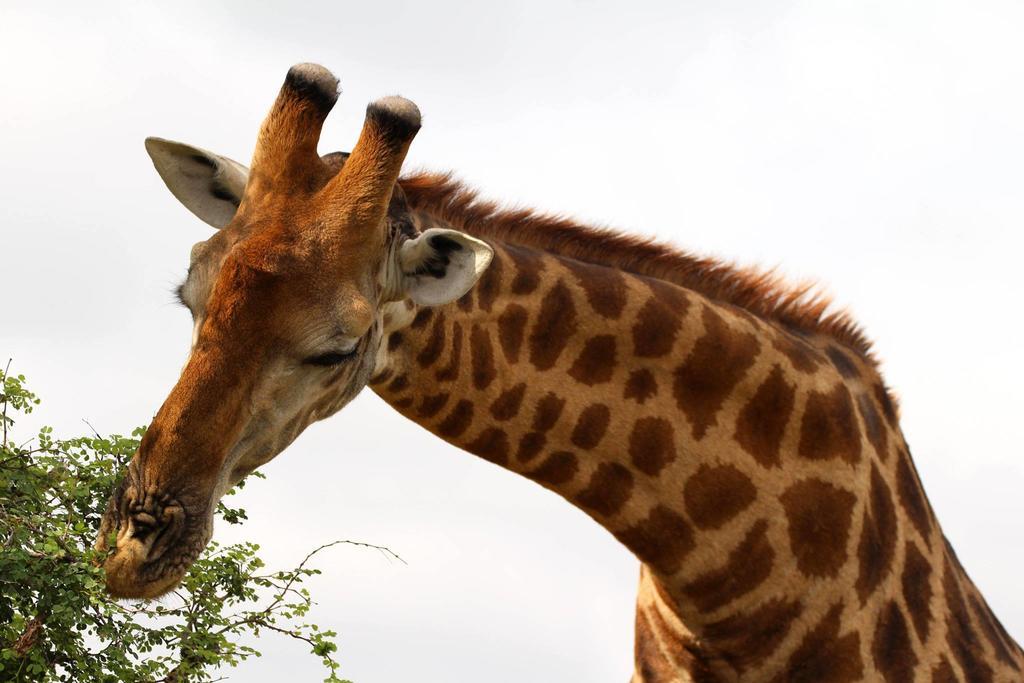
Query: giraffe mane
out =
(764, 293)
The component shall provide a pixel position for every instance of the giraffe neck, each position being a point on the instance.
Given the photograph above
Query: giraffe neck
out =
(760, 477)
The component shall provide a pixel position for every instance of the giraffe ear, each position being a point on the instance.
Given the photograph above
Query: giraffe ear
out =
(209, 185)
(441, 265)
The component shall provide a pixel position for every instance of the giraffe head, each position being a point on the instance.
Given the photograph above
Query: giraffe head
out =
(288, 299)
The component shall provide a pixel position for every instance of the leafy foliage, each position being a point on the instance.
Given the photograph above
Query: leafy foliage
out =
(56, 621)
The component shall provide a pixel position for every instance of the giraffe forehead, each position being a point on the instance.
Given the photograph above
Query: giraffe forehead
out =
(293, 248)
(310, 304)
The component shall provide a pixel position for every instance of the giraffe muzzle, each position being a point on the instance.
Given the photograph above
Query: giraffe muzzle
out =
(155, 523)
(156, 541)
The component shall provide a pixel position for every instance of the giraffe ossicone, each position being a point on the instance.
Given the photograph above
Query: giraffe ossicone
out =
(731, 432)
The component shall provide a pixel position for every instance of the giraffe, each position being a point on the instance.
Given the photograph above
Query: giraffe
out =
(731, 432)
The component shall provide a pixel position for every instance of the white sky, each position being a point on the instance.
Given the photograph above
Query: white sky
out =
(875, 146)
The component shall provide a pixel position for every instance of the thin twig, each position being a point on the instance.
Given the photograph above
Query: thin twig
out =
(92, 428)
(295, 572)
(3, 419)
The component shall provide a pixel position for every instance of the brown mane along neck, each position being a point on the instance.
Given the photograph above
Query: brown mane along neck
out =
(763, 293)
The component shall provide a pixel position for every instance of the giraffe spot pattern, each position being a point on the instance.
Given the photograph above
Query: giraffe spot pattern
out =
(604, 287)
(489, 285)
(884, 400)
(891, 648)
(745, 639)
(507, 405)
(451, 371)
(1011, 643)
(681, 648)
(911, 498)
(961, 636)
(828, 429)
(659, 588)
(943, 672)
(492, 445)
(652, 445)
(824, 656)
(672, 296)
(398, 384)
(431, 405)
(662, 540)
(549, 409)
(991, 627)
(381, 377)
(877, 545)
(754, 321)
(511, 330)
(465, 302)
(843, 363)
(608, 489)
(403, 403)
(718, 361)
(394, 340)
(873, 427)
(749, 565)
(818, 516)
(431, 351)
(530, 445)
(556, 323)
(978, 603)
(801, 356)
(640, 386)
(716, 494)
(651, 662)
(378, 379)
(596, 361)
(917, 589)
(528, 267)
(421, 318)
(591, 426)
(481, 358)
(458, 420)
(558, 468)
(762, 421)
(656, 328)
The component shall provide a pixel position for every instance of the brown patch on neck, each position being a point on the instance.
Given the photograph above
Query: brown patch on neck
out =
(825, 656)
(961, 635)
(664, 655)
(745, 639)
(879, 530)
(748, 566)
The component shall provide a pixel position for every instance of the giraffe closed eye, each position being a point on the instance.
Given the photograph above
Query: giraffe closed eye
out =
(331, 358)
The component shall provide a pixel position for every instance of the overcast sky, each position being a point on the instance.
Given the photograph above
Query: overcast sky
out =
(874, 146)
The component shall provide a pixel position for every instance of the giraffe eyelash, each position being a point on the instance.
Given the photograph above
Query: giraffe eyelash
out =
(330, 359)
(179, 294)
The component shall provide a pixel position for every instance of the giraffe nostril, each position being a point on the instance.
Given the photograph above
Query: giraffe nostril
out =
(144, 519)
(156, 526)
(142, 525)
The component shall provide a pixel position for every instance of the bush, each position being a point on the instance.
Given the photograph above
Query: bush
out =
(56, 621)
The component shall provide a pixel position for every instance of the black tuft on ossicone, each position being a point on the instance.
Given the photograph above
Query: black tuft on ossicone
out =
(396, 117)
(314, 84)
